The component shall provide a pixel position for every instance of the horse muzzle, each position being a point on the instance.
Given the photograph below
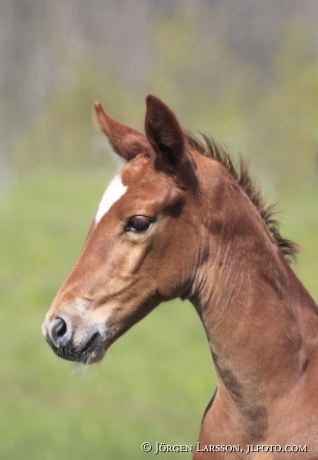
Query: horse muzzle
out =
(72, 344)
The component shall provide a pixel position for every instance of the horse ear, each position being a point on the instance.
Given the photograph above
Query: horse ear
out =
(163, 131)
(126, 141)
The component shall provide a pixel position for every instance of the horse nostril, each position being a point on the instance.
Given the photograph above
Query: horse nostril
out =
(57, 332)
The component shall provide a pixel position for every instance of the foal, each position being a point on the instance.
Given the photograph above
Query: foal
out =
(180, 221)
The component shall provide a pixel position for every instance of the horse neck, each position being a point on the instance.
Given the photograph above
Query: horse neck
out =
(260, 321)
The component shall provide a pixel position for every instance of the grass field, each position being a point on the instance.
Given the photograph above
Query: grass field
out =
(155, 381)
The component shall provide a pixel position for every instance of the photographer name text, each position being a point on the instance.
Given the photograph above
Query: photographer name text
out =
(162, 448)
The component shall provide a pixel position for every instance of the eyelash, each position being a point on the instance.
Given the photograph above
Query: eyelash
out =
(138, 224)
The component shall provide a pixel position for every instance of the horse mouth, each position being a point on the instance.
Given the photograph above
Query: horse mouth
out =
(88, 353)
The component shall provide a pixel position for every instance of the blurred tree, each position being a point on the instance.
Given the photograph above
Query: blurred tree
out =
(211, 60)
(63, 133)
(284, 116)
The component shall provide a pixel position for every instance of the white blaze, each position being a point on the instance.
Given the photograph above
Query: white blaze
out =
(115, 190)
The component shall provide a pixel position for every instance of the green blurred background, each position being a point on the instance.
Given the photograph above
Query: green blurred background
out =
(244, 71)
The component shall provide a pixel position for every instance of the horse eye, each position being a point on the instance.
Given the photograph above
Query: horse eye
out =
(138, 224)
